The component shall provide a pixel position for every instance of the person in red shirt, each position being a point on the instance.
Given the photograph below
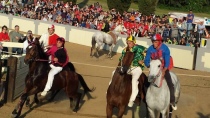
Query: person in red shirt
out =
(127, 24)
(52, 36)
(49, 39)
(4, 37)
(131, 25)
(146, 28)
(99, 26)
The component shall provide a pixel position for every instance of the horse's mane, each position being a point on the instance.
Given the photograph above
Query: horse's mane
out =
(120, 81)
(40, 50)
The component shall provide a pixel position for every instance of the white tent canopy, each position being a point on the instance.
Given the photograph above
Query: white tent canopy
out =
(181, 15)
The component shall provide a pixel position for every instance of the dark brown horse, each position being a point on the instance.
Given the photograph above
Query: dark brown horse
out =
(119, 91)
(36, 79)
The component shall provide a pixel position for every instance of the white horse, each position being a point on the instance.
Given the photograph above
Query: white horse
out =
(109, 38)
(158, 94)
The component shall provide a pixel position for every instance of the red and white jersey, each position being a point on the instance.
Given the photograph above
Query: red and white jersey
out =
(48, 40)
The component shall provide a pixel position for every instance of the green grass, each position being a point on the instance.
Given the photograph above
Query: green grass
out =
(135, 7)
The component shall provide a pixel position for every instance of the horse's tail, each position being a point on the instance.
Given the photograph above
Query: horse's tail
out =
(71, 67)
(84, 85)
(81, 79)
(93, 42)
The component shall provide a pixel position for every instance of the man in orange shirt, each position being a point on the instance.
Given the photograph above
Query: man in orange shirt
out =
(49, 39)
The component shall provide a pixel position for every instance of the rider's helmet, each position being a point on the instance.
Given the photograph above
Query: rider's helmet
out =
(131, 38)
(157, 37)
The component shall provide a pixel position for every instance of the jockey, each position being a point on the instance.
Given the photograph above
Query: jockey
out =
(136, 67)
(49, 38)
(60, 59)
(161, 51)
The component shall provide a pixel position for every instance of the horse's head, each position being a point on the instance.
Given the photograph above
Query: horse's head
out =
(33, 51)
(120, 28)
(155, 70)
(125, 62)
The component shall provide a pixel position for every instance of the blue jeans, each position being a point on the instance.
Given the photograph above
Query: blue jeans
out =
(189, 28)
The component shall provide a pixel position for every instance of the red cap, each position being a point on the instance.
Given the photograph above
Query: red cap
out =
(51, 26)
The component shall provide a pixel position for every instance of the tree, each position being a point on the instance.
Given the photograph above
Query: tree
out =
(147, 7)
(73, 1)
(119, 5)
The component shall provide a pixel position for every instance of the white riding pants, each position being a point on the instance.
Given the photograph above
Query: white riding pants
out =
(136, 73)
(54, 70)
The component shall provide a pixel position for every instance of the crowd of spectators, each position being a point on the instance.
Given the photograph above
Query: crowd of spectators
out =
(178, 31)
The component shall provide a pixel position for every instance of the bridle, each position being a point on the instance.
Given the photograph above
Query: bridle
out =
(157, 76)
(34, 58)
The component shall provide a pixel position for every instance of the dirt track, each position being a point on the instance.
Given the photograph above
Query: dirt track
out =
(194, 101)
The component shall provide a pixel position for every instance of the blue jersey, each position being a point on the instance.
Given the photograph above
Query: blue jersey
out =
(162, 53)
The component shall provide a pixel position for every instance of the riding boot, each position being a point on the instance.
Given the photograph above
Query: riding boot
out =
(171, 86)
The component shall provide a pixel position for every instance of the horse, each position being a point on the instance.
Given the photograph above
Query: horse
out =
(158, 94)
(109, 38)
(36, 79)
(119, 91)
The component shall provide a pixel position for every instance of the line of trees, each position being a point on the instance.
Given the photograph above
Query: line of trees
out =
(148, 6)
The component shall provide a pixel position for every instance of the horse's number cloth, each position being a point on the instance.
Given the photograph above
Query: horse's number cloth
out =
(113, 37)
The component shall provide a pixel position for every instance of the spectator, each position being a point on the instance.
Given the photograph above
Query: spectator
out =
(27, 40)
(16, 36)
(190, 18)
(175, 42)
(4, 37)
(182, 42)
(137, 33)
(166, 32)
(168, 41)
(174, 31)
(200, 33)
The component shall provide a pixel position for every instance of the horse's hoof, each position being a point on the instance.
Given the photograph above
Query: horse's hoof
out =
(37, 101)
(49, 100)
(174, 107)
(75, 110)
(14, 114)
(27, 105)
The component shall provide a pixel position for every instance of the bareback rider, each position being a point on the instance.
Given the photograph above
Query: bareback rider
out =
(49, 39)
(161, 51)
(59, 60)
(136, 67)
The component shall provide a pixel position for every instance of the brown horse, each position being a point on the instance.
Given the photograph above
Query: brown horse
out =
(119, 91)
(36, 79)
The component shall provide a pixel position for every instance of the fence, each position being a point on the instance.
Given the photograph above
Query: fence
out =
(16, 72)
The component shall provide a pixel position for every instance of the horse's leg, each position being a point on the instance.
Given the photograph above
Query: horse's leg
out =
(79, 95)
(170, 112)
(97, 50)
(28, 101)
(36, 100)
(110, 51)
(54, 93)
(17, 111)
(71, 103)
(93, 46)
(109, 110)
(151, 113)
(121, 111)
